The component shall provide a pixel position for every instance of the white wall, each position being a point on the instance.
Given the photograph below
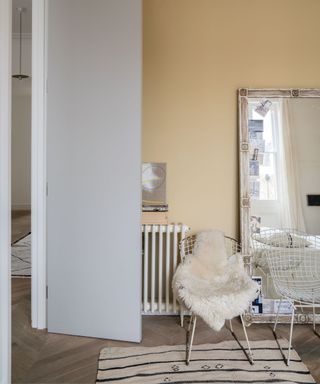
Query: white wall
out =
(21, 126)
(306, 128)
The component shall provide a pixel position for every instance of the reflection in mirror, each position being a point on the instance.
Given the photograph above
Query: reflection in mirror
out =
(284, 163)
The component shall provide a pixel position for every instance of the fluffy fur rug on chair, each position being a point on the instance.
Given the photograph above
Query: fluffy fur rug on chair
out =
(210, 284)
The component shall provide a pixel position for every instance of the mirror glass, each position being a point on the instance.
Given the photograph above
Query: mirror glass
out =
(284, 163)
(279, 175)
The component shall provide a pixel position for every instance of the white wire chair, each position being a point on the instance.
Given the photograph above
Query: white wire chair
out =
(295, 272)
(271, 238)
(232, 247)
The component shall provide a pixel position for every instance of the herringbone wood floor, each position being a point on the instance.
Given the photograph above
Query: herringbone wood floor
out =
(40, 357)
(21, 224)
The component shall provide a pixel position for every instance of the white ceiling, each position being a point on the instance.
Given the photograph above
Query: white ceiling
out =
(26, 16)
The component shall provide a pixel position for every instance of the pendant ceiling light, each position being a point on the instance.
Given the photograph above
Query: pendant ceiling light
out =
(20, 76)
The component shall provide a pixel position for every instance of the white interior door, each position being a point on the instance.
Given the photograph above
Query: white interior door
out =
(93, 143)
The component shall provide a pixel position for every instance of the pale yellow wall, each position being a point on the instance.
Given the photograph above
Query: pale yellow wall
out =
(197, 53)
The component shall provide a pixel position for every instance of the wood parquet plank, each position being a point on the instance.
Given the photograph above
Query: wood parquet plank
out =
(21, 224)
(41, 357)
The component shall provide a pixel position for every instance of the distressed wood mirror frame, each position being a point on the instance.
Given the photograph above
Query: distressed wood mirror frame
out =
(244, 95)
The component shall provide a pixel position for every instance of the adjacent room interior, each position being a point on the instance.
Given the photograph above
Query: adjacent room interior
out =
(181, 192)
(21, 138)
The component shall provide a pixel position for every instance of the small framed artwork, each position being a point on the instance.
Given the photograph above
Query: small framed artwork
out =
(263, 107)
(254, 168)
(154, 183)
(255, 126)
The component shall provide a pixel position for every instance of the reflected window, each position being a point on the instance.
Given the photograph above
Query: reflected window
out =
(264, 149)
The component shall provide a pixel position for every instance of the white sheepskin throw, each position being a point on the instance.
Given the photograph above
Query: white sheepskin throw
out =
(210, 284)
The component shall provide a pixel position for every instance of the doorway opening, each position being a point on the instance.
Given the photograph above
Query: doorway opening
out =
(21, 138)
(21, 123)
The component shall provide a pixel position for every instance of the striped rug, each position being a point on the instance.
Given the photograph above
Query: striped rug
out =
(210, 363)
(21, 257)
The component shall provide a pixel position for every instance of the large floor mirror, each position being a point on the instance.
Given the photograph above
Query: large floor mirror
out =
(279, 145)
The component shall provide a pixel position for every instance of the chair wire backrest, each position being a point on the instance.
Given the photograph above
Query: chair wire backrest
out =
(283, 237)
(187, 244)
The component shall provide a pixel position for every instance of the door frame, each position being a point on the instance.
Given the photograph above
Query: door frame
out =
(39, 165)
(5, 189)
(38, 182)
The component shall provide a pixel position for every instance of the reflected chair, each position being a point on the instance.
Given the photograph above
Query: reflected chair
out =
(243, 296)
(296, 277)
(275, 238)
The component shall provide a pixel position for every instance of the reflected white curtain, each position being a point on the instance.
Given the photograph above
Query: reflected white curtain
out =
(289, 196)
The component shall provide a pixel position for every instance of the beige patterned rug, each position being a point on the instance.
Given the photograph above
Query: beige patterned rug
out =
(21, 257)
(210, 363)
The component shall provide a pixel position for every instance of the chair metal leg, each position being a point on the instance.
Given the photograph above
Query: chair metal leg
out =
(274, 332)
(314, 317)
(248, 354)
(181, 318)
(314, 321)
(290, 338)
(189, 342)
(277, 317)
(188, 335)
(247, 340)
(231, 327)
(285, 359)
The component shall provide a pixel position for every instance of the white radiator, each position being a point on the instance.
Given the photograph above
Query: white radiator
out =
(160, 254)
